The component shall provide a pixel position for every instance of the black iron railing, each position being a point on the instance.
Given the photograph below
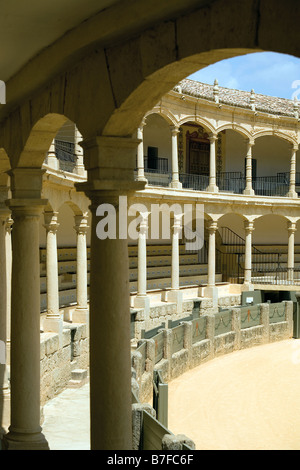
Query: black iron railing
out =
(231, 182)
(159, 164)
(65, 153)
(196, 182)
(158, 178)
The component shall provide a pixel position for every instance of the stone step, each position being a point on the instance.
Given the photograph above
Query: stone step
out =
(165, 283)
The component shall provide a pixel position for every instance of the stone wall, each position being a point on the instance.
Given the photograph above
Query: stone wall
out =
(164, 312)
(61, 359)
(194, 353)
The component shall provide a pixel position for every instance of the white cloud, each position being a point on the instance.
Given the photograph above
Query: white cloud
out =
(266, 72)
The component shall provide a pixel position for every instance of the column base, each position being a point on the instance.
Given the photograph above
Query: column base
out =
(212, 293)
(247, 286)
(24, 441)
(175, 185)
(53, 162)
(80, 315)
(249, 192)
(174, 296)
(4, 413)
(212, 188)
(142, 178)
(142, 301)
(292, 194)
(54, 325)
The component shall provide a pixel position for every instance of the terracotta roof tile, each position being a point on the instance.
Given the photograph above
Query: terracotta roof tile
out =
(268, 104)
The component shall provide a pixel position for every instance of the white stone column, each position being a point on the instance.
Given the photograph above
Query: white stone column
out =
(249, 189)
(211, 289)
(175, 295)
(4, 321)
(249, 228)
(26, 206)
(176, 231)
(80, 169)
(211, 274)
(142, 300)
(291, 227)
(52, 160)
(212, 188)
(175, 183)
(292, 189)
(110, 364)
(54, 318)
(140, 153)
(80, 314)
(8, 245)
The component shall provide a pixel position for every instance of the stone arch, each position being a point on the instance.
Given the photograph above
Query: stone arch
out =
(164, 113)
(135, 73)
(275, 133)
(38, 141)
(270, 229)
(235, 127)
(198, 120)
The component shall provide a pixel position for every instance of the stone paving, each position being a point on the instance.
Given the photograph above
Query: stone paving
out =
(67, 420)
(248, 399)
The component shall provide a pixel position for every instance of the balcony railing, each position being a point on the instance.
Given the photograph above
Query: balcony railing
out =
(65, 152)
(158, 178)
(197, 182)
(159, 164)
(231, 182)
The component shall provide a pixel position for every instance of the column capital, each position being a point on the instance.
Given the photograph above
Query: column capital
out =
(294, 147)
(26, 207)
(250, 142)
(174, 130)
(212, 226)
(81, 224)
(213, 136)
(9, 224)
(142, 124)
(110, 162)
(51, 224)
(291, 226)
(26, 183)
(249, 226)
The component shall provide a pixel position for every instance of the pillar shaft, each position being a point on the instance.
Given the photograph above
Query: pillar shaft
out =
(4, 320)
(211, 275)
(110, 162)
(51, 226)
(175, 183)
(140, 154)
(142, 258)
(249, 189)
(249, 227)
(81, 228)
(291, 251)
(292, 188)
(26, 207)
(175, 272)
(25, 430)
(212, 165)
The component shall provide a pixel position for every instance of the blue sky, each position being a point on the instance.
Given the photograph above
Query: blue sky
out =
(267, 73)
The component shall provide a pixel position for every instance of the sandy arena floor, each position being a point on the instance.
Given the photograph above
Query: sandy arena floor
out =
(247, 400)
